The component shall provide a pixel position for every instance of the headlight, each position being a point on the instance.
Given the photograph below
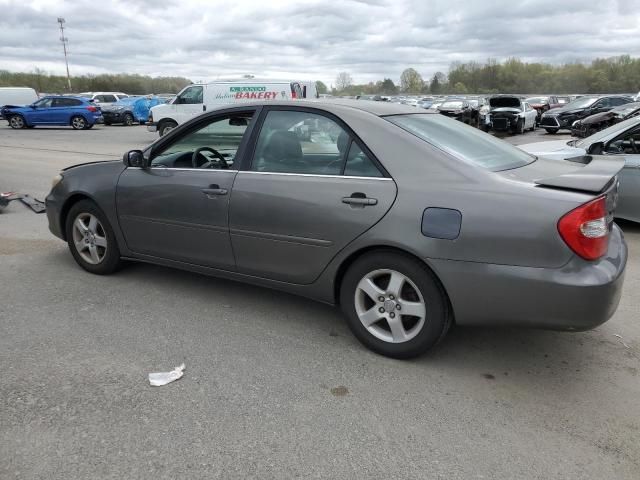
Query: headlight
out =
(56, 180)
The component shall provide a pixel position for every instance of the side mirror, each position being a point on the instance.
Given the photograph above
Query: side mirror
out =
(135, 158)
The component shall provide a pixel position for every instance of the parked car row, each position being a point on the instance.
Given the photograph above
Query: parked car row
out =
(79, 112)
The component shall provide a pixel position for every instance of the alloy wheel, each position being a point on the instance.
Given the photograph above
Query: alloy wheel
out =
(78, 123)
(89, 238)
(390, 306)
(16, 122)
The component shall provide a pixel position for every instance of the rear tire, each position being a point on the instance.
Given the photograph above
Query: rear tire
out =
(78, 122)
(551, 131)
(17, 122)
(91, 239)
(415, 314)
(128, 119)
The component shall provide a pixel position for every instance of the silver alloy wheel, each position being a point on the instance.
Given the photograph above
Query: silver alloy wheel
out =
(167, 129)
(390, 306)
(78, 122)
(16, 121)
(89, 238)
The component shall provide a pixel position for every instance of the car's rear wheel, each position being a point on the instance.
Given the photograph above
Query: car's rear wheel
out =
(166, 126)
(78, 122)
(551, 131)
(128, 119)
(91, 239)
(394, 304)
(16, 121)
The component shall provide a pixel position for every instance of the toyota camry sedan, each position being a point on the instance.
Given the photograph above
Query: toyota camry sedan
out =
(409, 221)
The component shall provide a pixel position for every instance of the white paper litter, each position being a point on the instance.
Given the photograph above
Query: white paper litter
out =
(162, 378)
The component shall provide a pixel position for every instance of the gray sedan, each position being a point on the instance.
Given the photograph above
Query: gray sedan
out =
(409, 221)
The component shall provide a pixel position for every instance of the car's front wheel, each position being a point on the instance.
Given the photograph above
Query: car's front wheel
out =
(166, 126)
(128, 119)
(394, 304)
(17, 121)
(91, 239)
(78, 122)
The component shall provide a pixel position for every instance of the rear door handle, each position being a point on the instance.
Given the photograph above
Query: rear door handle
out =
(359, 199)
(214, 190)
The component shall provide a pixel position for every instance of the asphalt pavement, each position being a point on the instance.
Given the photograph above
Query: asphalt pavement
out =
(276, 386)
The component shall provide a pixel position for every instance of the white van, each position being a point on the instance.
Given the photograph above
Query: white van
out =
(17, 96)
(197, 98)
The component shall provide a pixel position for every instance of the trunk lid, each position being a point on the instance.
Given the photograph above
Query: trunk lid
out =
(589, 173)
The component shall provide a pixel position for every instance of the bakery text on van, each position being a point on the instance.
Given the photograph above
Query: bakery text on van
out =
(257, 93)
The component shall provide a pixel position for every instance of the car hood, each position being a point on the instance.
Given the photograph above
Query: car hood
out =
(564, 110)
(497, 102)
(14, 107)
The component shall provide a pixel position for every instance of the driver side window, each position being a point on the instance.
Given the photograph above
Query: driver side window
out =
(627, 144)
(213, 146)
(192, 95)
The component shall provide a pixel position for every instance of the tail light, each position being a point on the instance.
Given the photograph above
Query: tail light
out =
(91, 108)
(293, 92)
(585, 229)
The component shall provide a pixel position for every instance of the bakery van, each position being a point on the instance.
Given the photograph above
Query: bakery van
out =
(198, 98)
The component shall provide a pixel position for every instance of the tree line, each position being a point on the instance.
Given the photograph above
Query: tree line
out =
(603, 75)
(122, 82)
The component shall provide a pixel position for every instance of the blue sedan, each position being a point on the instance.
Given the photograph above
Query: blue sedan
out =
(78, 112)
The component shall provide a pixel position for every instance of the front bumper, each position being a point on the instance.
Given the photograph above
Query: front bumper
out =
(113, 117)
(53, 215)
(578, 296)
(553, 121)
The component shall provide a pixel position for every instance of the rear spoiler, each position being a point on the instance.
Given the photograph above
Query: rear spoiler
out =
(593, 176)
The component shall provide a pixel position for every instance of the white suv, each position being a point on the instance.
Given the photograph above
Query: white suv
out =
(104, 98)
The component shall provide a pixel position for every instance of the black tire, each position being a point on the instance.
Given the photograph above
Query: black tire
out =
(78, 122)
(111, 261)
(437, 319)
(89, 126)
(551, 131)
(107, 123)
(128, 119)
(520, 127)
(17, 122)
(165, 126)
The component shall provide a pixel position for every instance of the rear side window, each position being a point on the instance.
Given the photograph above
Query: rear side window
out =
(308, 143)
(461, 141)
(66, 102)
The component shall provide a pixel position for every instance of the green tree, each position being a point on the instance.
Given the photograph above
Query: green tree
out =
(411, 81)
(387, 87)
(321, 87)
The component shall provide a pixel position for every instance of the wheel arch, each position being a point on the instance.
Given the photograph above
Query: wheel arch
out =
(66, 206)
(347, 262)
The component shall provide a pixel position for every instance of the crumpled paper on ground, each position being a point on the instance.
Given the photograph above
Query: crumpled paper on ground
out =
(162, 378)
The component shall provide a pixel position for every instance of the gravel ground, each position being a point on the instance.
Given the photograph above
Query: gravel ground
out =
(275, 385)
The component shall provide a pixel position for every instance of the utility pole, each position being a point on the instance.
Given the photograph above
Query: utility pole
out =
(64, 41)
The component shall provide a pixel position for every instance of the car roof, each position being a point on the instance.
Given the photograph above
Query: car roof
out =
(336, 105)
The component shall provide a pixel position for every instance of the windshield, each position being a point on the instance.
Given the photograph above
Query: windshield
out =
(604, 135)
(451, 105)
(463, 142)
(582, 102)
(537, 100)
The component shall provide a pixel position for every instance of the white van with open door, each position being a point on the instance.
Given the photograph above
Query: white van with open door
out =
(195, 99)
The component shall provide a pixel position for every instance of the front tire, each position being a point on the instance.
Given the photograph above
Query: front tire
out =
(394, 304)
(166, 126)
(17, 122)
(78, 122)
(128, 119)
(91, 239)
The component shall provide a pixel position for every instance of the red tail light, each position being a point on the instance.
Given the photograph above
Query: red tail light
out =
(91, 108)
(293, 94)
(585, 229)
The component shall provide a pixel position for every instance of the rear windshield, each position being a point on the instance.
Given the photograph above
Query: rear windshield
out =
(466, 143)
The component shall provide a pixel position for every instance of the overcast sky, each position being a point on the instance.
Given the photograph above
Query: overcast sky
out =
(308, 39)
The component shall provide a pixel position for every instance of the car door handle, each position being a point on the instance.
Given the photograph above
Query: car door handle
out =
(214, 190)
(359, 199)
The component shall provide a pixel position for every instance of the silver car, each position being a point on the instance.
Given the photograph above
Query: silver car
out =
(409, 221)
(620, 141)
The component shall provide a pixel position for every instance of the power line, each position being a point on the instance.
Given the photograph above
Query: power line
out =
(64, 41)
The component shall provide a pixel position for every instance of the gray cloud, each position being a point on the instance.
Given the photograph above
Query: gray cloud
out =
(309, 39)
